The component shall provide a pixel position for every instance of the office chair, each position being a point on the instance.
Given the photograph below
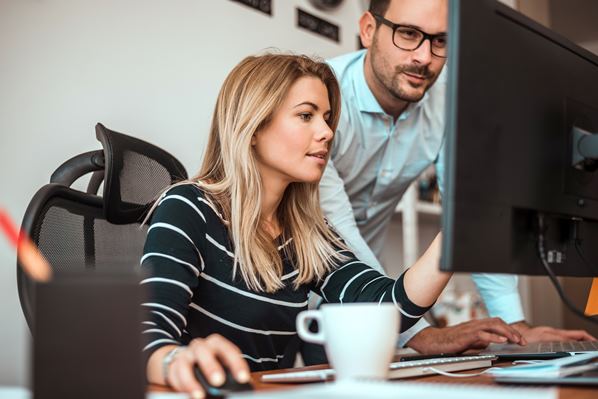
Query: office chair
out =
(78, 230)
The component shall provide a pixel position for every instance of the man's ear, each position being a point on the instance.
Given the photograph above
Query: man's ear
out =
(367, 29)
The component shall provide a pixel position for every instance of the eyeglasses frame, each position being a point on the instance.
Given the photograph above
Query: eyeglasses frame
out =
(394, 27)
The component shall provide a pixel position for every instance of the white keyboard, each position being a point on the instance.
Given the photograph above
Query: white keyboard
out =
(420, 367)
(439, 360)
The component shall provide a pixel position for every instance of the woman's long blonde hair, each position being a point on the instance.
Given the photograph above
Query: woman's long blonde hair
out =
(251, 94)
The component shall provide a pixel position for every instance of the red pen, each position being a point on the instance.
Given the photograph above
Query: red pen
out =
(30, 258)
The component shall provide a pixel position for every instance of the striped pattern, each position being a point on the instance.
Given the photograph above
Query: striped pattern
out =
(188, 263)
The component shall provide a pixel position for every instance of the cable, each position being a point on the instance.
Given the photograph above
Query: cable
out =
(538, 361)
(460, 375)
(552, 276)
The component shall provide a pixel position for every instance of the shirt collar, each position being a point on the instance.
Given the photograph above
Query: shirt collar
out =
(364, 96)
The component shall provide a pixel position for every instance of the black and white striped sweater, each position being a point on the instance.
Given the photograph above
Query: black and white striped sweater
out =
(188, 264)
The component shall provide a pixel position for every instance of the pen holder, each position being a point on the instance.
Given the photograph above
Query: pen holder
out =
(87, 337)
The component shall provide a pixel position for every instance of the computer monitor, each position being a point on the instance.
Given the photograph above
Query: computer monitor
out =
(520, 98)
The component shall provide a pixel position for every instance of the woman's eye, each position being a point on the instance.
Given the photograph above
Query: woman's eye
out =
(305, 116)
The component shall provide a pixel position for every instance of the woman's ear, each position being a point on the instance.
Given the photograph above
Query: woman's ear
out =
(253, 140)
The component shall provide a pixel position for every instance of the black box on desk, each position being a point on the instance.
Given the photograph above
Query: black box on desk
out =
(87, 337)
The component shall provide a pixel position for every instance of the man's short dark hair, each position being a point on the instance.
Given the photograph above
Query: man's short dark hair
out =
(379, 7)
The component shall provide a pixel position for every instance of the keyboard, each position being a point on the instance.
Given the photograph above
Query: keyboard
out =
(569, 346)
(438, 361)
(402, 369)
(542, 348)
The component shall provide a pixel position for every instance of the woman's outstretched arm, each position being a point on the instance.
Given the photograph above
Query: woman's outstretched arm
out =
(424, 281)
(353, 281)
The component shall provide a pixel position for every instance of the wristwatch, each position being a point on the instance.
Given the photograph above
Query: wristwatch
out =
(168, 358)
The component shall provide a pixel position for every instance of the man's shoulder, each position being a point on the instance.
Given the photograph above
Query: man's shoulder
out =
(344, 67)
(343, 63)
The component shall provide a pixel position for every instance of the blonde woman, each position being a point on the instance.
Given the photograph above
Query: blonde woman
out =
(233, 253)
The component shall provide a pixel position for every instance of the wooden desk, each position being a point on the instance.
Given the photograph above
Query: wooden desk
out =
(564, 392)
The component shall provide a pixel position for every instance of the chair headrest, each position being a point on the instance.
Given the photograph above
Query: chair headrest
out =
(135, 173)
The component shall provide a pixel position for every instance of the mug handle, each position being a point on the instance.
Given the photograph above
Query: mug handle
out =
(303, 320)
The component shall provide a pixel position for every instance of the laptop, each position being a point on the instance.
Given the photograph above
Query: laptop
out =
(581, 369)
(540, 350)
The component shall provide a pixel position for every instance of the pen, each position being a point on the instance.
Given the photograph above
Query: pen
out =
(30, 258)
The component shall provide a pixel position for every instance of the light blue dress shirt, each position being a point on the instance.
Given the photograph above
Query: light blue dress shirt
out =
(375, 158)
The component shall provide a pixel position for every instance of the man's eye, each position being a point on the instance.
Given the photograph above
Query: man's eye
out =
(407, 33)
(305, 116)
(439, 42)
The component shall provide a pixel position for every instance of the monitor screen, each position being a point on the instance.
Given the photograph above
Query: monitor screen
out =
(519, 99)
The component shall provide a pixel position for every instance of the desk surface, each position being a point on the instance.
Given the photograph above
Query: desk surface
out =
(564, 392)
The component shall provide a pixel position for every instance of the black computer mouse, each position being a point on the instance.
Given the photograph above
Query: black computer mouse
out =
(230, 384)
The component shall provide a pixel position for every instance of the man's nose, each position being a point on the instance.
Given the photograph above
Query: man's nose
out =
(423, 54)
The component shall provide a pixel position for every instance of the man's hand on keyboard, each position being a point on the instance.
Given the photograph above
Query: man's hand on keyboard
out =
(549, 334)
(474, 334)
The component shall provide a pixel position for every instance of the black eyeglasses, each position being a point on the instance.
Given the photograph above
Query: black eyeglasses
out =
(409, 38)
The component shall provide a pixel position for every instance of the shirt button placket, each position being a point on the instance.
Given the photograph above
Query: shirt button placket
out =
(388, 125)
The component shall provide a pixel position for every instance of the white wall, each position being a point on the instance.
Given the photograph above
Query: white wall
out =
(591, 45)
(510, 3)
(149, 68)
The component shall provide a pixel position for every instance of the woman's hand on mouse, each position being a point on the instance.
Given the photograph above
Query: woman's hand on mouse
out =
(209, 354)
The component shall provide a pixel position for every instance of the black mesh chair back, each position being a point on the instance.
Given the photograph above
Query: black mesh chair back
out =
(78, 230)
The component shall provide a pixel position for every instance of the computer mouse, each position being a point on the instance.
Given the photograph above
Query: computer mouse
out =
(230, 384)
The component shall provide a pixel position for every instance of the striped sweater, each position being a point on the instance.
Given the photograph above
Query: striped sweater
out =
(188, 262)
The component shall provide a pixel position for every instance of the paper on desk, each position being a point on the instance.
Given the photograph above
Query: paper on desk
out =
(403, 390)
(550, 368)
(364, 389)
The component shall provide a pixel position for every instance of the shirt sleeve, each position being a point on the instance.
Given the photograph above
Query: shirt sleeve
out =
(500, 294)
(411, 332)
(353, 281)
(439, 166)
(171, 264)
(339, 212)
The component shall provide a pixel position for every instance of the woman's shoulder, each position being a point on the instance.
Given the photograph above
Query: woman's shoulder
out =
(191, 195)
(188, 190)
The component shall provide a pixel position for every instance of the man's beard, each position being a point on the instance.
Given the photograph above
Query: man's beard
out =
(410, 95)
(392, 82)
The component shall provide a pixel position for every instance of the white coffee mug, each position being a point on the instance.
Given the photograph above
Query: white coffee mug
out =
(359, 337)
